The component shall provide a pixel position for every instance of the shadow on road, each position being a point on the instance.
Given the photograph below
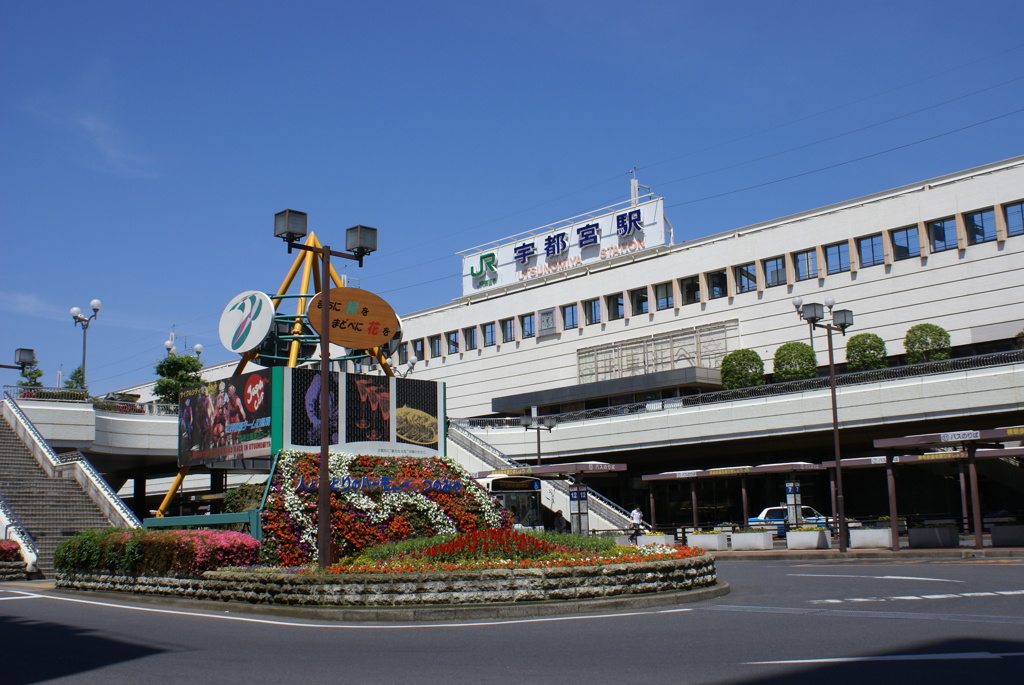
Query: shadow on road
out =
(37, 650)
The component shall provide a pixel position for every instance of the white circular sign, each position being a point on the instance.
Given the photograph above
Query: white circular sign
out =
(246, 321)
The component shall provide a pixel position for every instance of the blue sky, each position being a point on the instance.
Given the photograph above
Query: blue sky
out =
(148, 145)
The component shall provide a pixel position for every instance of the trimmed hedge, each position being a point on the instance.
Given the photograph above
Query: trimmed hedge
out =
(174, 553)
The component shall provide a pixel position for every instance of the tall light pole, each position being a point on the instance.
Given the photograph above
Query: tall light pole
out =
(538, 424)
(84, 321)
(814, 315)
(360, 241)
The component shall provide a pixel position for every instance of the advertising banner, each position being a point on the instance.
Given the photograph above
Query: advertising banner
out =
(374, 415)
(225, 420)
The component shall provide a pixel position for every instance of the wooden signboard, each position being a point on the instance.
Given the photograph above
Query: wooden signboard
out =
(359, 319)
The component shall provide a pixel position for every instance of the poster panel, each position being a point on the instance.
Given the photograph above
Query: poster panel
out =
(305, 408)
(225, 420)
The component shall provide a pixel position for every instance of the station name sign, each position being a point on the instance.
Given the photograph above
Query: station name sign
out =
(564, 246)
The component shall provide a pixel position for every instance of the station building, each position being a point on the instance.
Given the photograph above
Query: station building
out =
(615, 332)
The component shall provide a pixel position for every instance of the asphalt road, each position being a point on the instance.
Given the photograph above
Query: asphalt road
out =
(936, 621)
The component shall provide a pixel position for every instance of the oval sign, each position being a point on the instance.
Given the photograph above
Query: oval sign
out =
(359, 319)
(246, 321)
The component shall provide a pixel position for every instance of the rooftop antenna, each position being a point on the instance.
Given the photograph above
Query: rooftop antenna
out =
(634, 188)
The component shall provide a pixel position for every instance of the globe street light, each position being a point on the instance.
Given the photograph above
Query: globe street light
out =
(814, 315)
(538, 423)
(84, 321)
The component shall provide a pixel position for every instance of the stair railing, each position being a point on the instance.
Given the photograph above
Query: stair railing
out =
(487, 453)
(72, 465)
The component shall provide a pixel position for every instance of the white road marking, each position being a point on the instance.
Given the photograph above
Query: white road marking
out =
(997, 593)
(830, 575)
(351, 626)
(894, 657)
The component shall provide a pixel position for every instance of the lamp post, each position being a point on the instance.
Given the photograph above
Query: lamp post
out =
(84, 321)
(538, 424)
(841, 319)
(360, 241)
(23, 356)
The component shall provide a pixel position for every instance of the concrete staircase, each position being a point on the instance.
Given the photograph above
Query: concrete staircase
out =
(51, 509)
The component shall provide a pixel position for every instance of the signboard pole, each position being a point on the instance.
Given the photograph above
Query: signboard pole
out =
(323, 501)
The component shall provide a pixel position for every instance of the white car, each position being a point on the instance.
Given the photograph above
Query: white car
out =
(778, 517)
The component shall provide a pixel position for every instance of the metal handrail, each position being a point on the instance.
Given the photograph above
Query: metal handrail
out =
(41, 394)
(768, 390)
(494, 458)
(71, 460)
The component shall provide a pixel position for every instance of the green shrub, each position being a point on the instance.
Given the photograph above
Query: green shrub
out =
(866, 351)
(182, 553)
(243, 498)
(794, 361)
(926, 342)
(742, 369)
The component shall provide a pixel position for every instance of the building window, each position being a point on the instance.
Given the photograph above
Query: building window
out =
(718, 285)
(942, 234)
(526, 325)
(452, 342)
(616, 307)
(403, 353)
(435, 346)
(775, 272)
(508, 330)
(570, 319)
(592, 311)
(905, 243)
(746, 278)
(488, 332)
(690, 288)
(1014, 219)
(638, 298)
(981, 226)
(469, 338)
(417, 348)
(869, 250)
(663, 296)
(806, 264)
(837, 258)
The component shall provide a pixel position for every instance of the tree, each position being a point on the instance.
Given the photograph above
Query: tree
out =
(742, 369)
(176, 371)
(31, 374)
(866, 351)
(926, 342)
(76, 380)
(1018, 342)
(794, 361)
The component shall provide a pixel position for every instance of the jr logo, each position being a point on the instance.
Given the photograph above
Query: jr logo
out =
(488, 262)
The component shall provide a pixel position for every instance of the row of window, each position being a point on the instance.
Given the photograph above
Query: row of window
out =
(904, 243)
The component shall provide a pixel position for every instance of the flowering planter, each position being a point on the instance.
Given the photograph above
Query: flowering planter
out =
(758, 540)
(870, 538)
(668, 540)
(708, 541)
(808, 539)
(942, 536)
(1008, 536)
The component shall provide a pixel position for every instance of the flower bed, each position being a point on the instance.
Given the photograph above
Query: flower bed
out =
(10, 551)
(374, 500)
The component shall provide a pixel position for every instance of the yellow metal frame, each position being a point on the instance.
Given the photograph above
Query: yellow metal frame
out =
(311, 270)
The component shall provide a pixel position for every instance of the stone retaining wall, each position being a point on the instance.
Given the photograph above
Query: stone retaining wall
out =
(12, 570)
(410, 589)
